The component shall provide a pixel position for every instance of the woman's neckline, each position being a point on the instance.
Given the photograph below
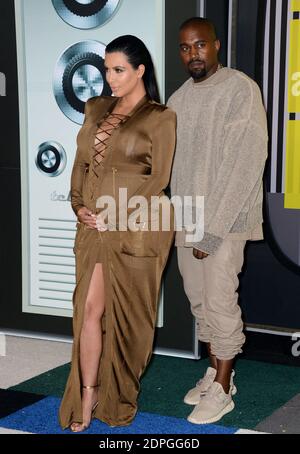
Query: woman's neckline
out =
(142, 100)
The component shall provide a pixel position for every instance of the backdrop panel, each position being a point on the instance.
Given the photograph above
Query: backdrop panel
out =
(61, 46)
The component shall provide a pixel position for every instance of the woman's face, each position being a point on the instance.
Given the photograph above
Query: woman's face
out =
(122, 78)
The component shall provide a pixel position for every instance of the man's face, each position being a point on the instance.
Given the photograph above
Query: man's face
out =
(199, 51)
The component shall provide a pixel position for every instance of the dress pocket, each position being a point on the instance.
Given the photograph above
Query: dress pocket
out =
(140, 243)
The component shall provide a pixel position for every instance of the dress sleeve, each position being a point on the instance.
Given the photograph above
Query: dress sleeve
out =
(79, 168)
(163, 147)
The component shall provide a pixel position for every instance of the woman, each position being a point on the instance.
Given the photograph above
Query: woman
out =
(126, 141)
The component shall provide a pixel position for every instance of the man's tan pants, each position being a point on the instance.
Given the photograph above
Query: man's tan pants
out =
(211, 287)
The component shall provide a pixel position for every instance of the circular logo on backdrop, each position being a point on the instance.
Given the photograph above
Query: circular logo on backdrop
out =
(51, 159)
(85, 14)
(79, 75)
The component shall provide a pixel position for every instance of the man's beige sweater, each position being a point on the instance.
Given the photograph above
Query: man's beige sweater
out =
(221, 152)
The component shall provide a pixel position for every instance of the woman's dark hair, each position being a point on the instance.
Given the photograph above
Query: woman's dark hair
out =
(137, 54)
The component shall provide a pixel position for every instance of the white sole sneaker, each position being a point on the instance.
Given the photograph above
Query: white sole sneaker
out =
(216, 418)
(234, 390)
(196, 401)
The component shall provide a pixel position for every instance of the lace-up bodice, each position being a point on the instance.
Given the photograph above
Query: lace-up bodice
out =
(105, 129)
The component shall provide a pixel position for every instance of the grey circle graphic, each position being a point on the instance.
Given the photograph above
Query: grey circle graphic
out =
(51, 158)
(86, 14)
(79, 75)
(87, 80)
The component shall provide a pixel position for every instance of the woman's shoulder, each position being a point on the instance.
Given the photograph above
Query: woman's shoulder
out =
(162, 109)
(98, 102)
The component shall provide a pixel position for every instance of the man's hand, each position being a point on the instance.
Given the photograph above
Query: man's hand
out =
(199, 254)
(87, 217)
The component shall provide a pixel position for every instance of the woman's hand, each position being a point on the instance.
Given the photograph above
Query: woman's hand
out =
(87, 217)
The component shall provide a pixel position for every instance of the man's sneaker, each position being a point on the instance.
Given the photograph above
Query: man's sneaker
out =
(195, 394)
(213, 406)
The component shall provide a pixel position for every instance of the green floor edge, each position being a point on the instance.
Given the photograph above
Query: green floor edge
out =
(262, 388)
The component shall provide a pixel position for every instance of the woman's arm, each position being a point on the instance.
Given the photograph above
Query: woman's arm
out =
(80, 167)
(79, 170)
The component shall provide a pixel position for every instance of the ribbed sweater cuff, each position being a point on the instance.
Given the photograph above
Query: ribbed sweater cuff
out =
(210, 244)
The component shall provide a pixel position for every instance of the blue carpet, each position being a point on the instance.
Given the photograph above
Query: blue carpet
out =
(41, 418)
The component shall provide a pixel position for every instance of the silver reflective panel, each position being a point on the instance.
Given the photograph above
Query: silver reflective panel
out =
(51, 158)
(86, 14)
(79, 75)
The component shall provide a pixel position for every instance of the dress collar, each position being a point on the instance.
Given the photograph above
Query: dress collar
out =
(139, 104)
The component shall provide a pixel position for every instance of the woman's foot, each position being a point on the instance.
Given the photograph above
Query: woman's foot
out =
(89, 401)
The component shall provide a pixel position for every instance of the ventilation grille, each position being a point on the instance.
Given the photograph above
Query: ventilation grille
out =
(56, 260)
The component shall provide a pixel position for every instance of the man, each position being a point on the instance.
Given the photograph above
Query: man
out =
(221, 152)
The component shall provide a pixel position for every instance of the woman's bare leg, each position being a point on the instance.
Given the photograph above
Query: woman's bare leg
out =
(91, 344)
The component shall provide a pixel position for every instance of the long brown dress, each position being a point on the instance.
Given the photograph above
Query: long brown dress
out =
(138, 156)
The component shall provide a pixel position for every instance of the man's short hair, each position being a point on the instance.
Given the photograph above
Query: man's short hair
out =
(201, 21)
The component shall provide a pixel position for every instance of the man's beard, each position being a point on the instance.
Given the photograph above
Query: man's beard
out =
(197, 73)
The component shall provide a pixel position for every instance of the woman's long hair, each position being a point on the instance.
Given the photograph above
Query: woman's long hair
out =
(137, 54)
